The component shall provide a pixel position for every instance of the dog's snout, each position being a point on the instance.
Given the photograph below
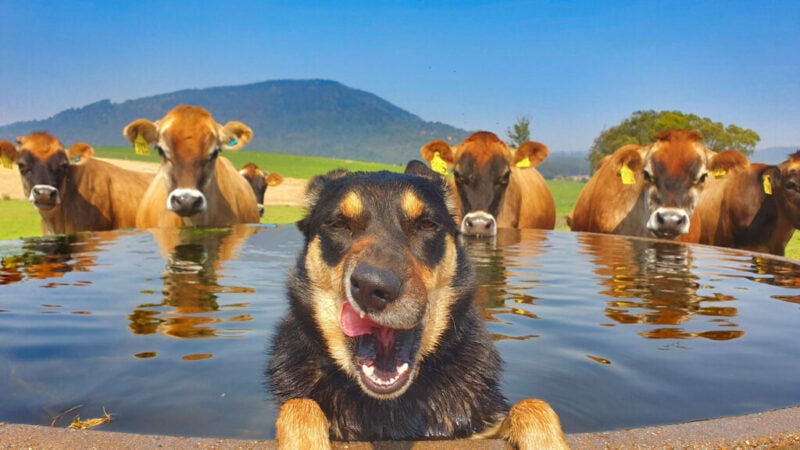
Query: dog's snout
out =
(373, 288)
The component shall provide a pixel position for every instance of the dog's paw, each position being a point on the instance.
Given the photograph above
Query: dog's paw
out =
(532, 424)
(302, 425)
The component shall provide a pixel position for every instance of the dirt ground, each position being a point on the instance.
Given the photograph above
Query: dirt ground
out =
(290, 192)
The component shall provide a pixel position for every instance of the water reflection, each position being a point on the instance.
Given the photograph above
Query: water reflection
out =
(53, 257)
(653, 283)
(191, 283)
(494, 297)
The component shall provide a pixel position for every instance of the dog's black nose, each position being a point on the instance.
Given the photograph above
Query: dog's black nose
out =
(373, 288)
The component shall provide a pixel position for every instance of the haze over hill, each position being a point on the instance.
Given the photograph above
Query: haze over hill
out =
(306, 117)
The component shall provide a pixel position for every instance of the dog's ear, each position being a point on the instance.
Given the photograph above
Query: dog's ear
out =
(420, 169)
(314, 189)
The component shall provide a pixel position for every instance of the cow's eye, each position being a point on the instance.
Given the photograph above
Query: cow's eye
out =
(647, 176)
(214, 154)
(161, 152)
(504, 179)
(702, 178)
(459, 177)
(23, 168)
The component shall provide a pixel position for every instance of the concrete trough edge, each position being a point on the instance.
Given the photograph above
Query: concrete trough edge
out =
(770, 429)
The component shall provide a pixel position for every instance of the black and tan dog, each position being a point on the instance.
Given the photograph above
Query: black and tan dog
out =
(381, 341)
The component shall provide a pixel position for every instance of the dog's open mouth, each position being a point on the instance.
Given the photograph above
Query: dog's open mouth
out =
(384, 356)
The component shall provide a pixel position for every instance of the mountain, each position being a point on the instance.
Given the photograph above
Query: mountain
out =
(306, 117)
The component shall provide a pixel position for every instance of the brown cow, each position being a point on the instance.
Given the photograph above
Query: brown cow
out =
(755, 208)
(90, 196)
(496, 186)
(647, 191)
(195, 185)
(259, 181)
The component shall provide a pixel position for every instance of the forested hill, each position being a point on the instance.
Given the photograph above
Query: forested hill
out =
(306, 117)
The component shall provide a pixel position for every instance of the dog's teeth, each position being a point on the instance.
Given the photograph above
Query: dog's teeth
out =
(362, 314)
(368, 370)
(402, 369)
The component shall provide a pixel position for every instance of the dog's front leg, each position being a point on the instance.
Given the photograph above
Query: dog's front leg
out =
(532, 424)
(302, 425)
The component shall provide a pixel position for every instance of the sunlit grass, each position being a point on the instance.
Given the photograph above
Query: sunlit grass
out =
(18, 218)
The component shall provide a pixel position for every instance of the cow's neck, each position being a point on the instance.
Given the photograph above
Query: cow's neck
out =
(634, 222)
(217, 205)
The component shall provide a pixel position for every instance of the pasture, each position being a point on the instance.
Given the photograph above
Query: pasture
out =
(19, 219)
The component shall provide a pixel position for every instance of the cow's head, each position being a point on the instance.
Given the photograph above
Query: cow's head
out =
(188, 140)
(43, 164)
(783, 181)
(259, 181)
(672, 172)
(482, 167)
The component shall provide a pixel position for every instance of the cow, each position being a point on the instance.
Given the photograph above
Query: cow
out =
(756, 207)
(91, 196)
(647, 191)
(195, 185)
(259, 181)
(494, 185)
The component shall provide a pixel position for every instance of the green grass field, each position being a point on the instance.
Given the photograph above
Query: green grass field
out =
(293, 166)
(19, 219)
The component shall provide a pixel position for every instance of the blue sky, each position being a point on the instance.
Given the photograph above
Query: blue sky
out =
(574, 68)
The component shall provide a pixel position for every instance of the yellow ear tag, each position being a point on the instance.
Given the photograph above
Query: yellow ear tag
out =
(140, 146)
(719, 173)
(438, 165)
(767, 185)
(5, 161)
(523, 163)
(627, 174)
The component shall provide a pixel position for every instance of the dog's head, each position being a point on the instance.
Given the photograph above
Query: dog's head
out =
(383, 272)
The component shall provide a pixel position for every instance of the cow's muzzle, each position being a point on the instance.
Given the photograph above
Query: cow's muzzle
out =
(44, 196)
(186, 202)
(668, 223)
(479, 223)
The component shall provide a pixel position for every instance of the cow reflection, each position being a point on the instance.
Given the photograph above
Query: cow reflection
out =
(494, 297)
(55, 256)
(652, 283)
(191, 282)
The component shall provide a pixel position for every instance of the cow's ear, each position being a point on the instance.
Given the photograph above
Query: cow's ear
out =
(771, 180)
(80, 152)
(8, 154)
(236, 135)
(274, 179)
(724, 162)
(629, 163)
(141, 127)
(439, 155)
(530, 154)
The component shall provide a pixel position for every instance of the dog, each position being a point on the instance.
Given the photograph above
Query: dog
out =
(381, 340)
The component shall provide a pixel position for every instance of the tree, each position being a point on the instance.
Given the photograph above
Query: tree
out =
(640, 127)
(520, 132)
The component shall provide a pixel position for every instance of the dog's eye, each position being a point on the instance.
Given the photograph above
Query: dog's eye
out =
(427, 225)
(339, 224)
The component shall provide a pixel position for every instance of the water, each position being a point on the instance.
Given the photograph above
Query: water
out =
(169, 329)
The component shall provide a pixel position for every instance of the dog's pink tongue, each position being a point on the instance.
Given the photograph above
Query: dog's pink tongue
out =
(353, 325)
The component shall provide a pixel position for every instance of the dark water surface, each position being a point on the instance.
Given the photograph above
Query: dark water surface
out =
(169, 330)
